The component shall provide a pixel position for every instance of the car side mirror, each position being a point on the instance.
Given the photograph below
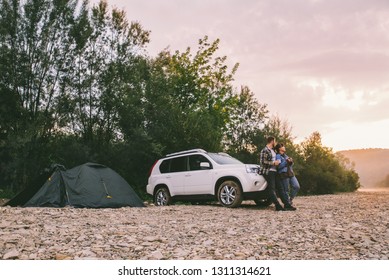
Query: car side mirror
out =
(205, 165)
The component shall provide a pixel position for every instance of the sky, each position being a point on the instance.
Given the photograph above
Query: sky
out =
(323, 65)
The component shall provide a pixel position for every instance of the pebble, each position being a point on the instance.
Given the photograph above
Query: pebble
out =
(323, 227)
(157, 255)
(60, 257)
(11, 255)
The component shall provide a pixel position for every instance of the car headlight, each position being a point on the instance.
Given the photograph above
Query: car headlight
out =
(252, 169)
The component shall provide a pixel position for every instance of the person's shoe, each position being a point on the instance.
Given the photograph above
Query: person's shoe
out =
(290, 208)
(280, 208)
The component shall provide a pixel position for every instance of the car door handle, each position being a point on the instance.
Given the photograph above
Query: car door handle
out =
(188, 175)
(168, 177)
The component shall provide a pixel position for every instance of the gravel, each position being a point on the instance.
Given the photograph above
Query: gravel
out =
(343, 226)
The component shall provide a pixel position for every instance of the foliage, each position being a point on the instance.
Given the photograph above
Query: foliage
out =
(323, 171)
(188, 94)
(65, 70)
(245, 129)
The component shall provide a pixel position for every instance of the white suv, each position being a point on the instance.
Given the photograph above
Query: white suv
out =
(199, 176)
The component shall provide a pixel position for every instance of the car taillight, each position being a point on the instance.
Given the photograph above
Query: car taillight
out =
(152, 167)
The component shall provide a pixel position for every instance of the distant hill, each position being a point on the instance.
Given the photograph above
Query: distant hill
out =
(372, 165)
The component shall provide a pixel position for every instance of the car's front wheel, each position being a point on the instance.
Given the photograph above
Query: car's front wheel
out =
(162, 197)
(229, 194)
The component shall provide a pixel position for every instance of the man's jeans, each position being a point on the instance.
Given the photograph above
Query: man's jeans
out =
(271, 187)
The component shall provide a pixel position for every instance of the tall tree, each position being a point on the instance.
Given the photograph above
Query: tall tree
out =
(246, 126)
(107, 53)
(189, 97)
(33, 46)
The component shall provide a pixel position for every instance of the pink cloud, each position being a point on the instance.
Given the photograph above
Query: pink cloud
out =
(280, 44)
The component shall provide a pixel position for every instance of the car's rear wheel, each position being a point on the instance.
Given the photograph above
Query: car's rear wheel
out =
(229, 194)
(162, 197)
(264, 202)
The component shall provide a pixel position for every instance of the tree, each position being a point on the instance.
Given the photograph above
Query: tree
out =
(280, 129)
(246, 126)
(104, 90)
(33, 46)
(188, 98)
(65, 70)
(323, 172)
(104, 74)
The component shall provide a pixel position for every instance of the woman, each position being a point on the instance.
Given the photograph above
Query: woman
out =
(286, 175)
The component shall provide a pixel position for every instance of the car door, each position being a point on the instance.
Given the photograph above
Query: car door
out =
(178, 169)
(198, 180)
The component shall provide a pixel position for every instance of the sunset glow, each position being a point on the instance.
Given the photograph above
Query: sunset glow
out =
(322, 65)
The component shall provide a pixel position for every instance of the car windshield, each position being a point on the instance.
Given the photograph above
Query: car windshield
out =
(224, 159)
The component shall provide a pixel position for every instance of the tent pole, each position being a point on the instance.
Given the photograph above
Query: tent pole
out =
(66, 190)
(105, 187)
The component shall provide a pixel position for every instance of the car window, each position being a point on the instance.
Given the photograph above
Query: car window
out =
(178, 164)
(165, 166)
(195, 160)
(224, 159)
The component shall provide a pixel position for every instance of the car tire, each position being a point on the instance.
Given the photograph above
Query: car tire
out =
(162, 197)
(229, 194)
(262, 202)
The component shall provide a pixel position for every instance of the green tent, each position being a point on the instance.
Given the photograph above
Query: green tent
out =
(88, 185)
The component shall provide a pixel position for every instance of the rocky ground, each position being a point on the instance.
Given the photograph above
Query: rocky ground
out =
(344, 226)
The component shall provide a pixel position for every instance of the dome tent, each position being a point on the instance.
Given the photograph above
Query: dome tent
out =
(89, 185)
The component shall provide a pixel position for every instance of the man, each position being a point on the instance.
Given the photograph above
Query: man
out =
(268, 168)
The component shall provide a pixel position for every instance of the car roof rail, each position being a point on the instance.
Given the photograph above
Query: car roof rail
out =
(224, 154)
(186, 152)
